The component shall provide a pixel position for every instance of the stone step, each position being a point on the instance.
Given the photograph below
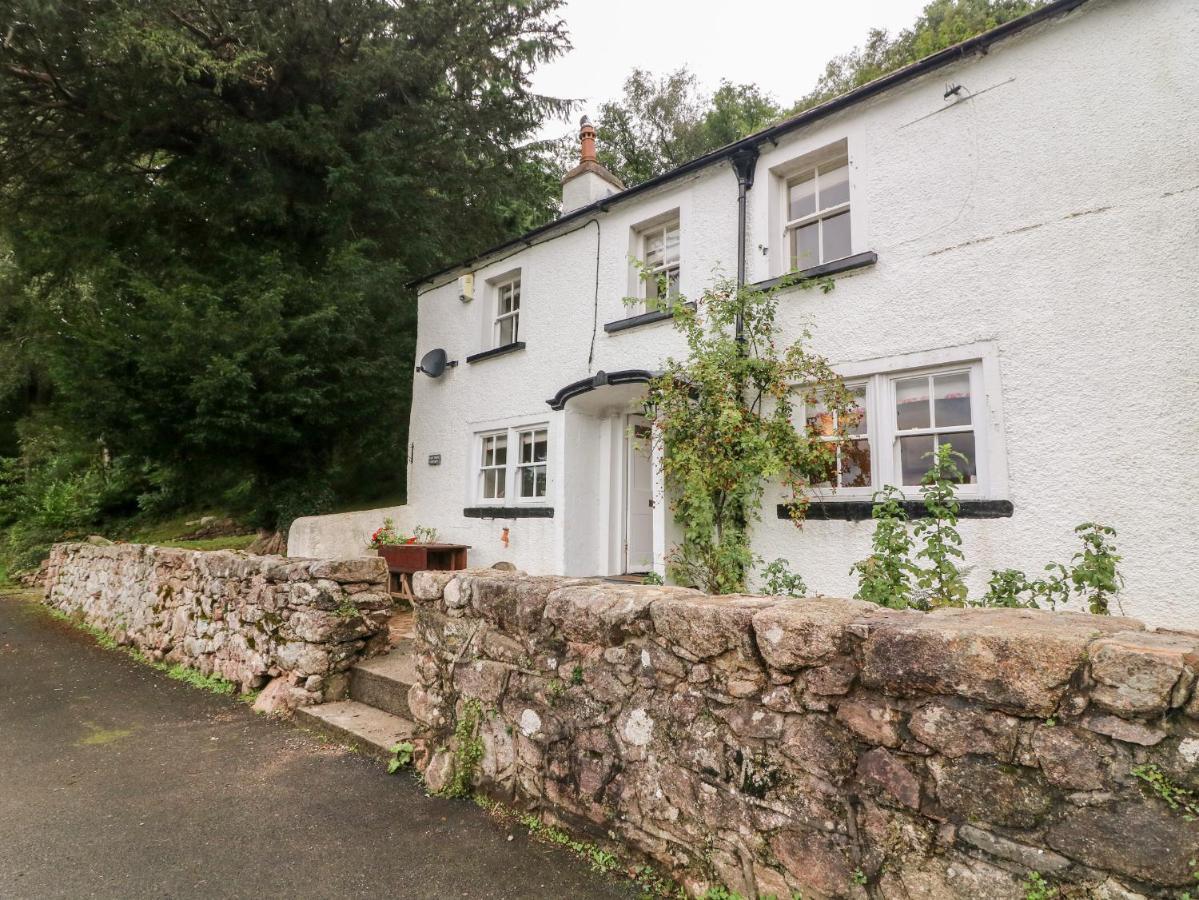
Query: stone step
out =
(370, 730)
(383, 682)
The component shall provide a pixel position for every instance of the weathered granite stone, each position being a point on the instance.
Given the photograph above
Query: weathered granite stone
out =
(979, 790)
(795, 634)
(1123, 730)
(1010, 658)
(890, 775)
(1036, 859)
(873, 720)
(708, 626)
(819, 745)
(1072, 758)
(370, 569)
(958, 730)
(604, 613)
(813, 860)
(1137, 673)
(1147, 841)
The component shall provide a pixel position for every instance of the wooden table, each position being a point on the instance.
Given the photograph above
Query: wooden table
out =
(405, 560)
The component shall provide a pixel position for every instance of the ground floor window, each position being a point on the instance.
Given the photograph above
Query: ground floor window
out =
(900, 420)
(526, 469)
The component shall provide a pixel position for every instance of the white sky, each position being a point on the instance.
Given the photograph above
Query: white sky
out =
(781, 46)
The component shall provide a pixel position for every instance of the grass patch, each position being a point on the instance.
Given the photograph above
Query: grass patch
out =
(214, 684)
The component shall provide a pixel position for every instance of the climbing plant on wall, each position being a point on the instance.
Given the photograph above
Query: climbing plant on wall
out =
(725, 422)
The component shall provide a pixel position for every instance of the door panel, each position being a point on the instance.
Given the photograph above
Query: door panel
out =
(639, 511)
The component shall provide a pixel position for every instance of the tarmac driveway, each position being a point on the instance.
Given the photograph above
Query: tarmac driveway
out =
(116, 781)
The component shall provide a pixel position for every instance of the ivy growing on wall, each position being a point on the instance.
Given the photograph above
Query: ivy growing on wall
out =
(724, 418)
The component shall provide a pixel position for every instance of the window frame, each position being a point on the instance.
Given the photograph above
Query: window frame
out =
(644, 234)
(850, 492)
(883, 431)
(519, 464)
(792, 226)
(482, 468)
(513, 284)
(512, 465)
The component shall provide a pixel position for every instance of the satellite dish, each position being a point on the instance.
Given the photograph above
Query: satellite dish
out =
(434, 363)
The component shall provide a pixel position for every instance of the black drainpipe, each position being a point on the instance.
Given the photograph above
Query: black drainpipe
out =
(744, 162)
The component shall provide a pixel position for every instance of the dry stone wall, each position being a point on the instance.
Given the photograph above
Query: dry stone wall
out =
(291, 626)
(821, 747)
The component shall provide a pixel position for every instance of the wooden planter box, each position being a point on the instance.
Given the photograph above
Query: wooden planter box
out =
(404, 560)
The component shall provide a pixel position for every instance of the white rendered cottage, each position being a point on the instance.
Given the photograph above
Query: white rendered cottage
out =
(1013, 226)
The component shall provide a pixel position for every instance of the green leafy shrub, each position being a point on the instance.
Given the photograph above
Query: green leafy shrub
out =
(941, 578)
(885, 576)
(779, 581)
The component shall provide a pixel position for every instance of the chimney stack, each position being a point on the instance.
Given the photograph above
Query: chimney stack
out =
(588, 181)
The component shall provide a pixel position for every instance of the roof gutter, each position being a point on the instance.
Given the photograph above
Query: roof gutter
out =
(978, 43)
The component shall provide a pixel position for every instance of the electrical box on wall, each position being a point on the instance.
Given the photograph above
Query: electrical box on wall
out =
(466, 287)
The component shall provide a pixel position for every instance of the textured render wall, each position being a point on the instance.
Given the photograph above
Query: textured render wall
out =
(1053, 213)
(779, 746)
(293, 627)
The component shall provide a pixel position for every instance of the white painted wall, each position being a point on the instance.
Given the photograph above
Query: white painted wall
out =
(1052, 214)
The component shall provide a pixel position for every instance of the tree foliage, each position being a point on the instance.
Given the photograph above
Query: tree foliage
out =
(211, 208)
(942, 24)
(661, 123)
(724, 420)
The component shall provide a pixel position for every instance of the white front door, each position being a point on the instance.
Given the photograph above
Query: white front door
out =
(639, 498)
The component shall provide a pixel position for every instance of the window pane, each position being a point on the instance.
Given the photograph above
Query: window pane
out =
(488, 451)
(915, 457)
(836, 237)
(507, 331)
(540, 482)
(532, 446)
(805, 251)
(654, 245)
(855, 464)
(820, 420)
(528, 481)
(501, 449)
(516, 295)
(857, 423)
(672, 282)
(911, 404)
(671, 253)
(493, 484)
(802, 198)
(963, 443)
(834, 187)
(951, 399)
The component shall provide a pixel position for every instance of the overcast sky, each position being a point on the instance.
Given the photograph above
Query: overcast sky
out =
(781, 45)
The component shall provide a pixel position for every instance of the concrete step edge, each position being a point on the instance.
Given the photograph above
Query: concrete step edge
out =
(371, 730)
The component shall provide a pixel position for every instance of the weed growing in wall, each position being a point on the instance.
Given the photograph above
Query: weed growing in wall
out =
(468, 750)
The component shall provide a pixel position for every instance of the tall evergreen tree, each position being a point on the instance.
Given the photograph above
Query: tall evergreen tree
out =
(213, 207)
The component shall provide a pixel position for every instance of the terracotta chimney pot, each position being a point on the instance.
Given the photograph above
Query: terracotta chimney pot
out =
(586, 140)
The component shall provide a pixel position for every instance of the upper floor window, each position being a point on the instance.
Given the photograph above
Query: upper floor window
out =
(817, 213)
(507, 312)
(660, 259)
(900, 420)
